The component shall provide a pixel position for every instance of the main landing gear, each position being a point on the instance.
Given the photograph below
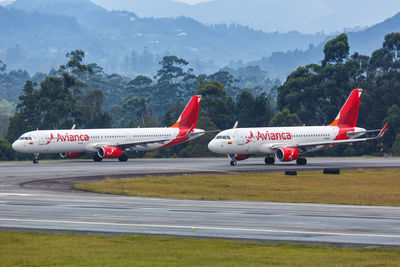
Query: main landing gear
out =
(97, 158)
(35, 158)
(269, 160)
(233, 162)
(123, 157)
(301, 161)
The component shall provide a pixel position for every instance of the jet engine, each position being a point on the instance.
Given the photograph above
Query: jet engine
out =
(69, 155)
(109, 152)
(287, 153)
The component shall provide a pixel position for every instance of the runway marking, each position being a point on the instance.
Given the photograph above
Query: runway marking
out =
(204, 228)
(15, 194)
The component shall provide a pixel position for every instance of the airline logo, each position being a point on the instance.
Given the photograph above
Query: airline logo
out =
(249, 139)
(69, 138)
(273, 136)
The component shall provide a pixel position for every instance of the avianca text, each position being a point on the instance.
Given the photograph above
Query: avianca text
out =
(71, 137)
(273, 136)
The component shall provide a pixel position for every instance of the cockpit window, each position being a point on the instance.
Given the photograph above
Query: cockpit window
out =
(223, 137)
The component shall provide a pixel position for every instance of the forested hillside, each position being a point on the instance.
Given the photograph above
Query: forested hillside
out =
(311, 95)
(34, 35)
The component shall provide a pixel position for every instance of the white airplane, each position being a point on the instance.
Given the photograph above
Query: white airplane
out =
(291, 143)
(111, 143)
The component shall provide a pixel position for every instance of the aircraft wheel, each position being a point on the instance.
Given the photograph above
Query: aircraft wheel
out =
(97, 158)
(35, 158)
(233, 162)
(269, 160)
(301, 161)
(123, 157)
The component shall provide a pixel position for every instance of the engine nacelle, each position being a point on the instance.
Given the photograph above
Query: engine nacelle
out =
(69, 155)
(109, 152)
(242, 156)
(287, 153)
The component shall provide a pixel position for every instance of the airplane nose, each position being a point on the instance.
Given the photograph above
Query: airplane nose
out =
(212, 146)
(15, 146)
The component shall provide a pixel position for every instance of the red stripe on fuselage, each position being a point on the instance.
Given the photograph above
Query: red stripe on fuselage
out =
(342, 135)
(179, 139)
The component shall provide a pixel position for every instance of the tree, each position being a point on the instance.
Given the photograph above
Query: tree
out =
(216, 104)
(396, 146)
(262, 112)
(58, 102)
(27, 115)
(285, 118)
(90, 113)
(74, 65)
(133, 112)
(140, 86)
(336, 50)
(6, 152)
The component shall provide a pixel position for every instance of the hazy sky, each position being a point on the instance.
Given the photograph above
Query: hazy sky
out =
(307, 16)
(192, 2)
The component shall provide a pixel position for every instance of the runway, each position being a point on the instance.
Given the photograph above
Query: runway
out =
(46, 201)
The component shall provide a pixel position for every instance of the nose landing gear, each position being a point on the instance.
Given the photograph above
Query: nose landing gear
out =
(35, 158)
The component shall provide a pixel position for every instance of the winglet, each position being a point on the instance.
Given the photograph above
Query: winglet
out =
(235, 125)
(188, 118)
(382, 132)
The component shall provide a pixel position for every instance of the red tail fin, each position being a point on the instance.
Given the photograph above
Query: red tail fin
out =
(188, 118)
(347, 116)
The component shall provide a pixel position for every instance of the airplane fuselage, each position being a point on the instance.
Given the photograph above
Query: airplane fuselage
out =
(89, 140)
(252, 141)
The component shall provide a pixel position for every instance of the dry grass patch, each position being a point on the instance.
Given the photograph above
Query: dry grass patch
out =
(372, 187)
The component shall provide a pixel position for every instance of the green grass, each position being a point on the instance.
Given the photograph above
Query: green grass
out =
(377, 187)
(41, 249)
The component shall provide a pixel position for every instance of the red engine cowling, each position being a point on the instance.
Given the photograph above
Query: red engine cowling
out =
(287, 153)
(68, 155)
(242, 156)
(109, 152)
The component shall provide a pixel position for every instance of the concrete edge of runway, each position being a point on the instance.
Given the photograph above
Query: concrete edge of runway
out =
(247, 240)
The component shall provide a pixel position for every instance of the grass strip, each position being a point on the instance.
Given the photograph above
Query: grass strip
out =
(42, 249)
(362, 187)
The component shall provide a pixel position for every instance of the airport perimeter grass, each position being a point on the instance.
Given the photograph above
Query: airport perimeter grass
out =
(41, 249)
(363, 187)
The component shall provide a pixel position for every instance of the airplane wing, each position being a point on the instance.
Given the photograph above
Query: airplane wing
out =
(305, 145)
(162, 141)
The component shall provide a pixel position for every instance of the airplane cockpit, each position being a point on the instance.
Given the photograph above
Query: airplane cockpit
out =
(25, 138)
(223, 137)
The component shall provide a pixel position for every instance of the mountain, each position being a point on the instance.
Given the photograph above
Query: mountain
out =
(36, 33)
(269, 15)
(371, 39)
(281, 64)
